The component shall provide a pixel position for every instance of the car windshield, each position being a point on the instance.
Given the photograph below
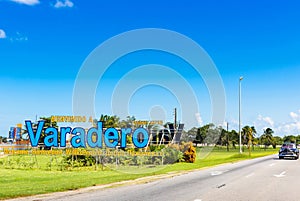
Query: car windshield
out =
(290, 146)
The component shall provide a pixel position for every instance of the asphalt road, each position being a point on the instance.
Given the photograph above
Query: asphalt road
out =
(263, 179)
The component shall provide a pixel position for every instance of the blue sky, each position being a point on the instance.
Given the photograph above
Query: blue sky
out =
(43, 44)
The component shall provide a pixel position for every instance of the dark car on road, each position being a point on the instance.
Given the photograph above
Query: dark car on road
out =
(288, 150)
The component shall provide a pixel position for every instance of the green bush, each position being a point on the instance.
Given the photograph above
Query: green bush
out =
(172, 155)
(156, 148)
(79, 160)
(178, 153)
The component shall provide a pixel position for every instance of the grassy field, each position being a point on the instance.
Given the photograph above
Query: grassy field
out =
(23, 182)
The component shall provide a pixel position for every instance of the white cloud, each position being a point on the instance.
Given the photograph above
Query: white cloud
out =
(199, 119)
(282, 128)
(292, 128)
(2, 33)
(267, 121)
(64, 4)
(18, 38)
(294, 116)
(262, 123)
(27, 2)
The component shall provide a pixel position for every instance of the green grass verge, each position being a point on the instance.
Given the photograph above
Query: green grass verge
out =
(16, 182)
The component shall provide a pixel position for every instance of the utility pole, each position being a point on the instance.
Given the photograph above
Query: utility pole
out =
(175, 118)
(227, 126)
(227, 137)
(240, 104)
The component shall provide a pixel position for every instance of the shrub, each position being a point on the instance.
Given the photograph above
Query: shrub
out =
(79, 160)
(172, 155)
(156, 147)
(189, 152)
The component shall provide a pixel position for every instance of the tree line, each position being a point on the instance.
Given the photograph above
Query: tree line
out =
(210, 134)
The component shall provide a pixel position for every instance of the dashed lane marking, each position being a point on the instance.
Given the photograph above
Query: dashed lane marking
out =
(249, 175)
(216, 173)
(272, 164)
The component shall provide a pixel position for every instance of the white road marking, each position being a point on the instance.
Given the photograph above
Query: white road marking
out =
(216, 173)
(250, 175)
(272, 164)
(197, 200)
(280, 175)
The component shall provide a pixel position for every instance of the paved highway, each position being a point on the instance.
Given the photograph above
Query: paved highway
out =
(264, 179)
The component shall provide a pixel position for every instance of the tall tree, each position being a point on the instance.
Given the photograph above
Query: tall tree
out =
(248, 136)
(298, 139)
(254, 140)
(128, 122)
(109, 121)
(234, 138)
(289, 138)
(267, 137)
(203, 133)
(193, 134)
(277, 140)
(213, 135)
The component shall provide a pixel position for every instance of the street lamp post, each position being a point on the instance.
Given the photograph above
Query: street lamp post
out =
(240, 103)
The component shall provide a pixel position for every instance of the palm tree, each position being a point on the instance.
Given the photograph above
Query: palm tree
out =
(267, 137)
(254, 140)
(109, 121)
(233, 138)
(249, 136)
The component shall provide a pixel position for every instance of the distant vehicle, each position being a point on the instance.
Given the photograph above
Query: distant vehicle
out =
(289, 150)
